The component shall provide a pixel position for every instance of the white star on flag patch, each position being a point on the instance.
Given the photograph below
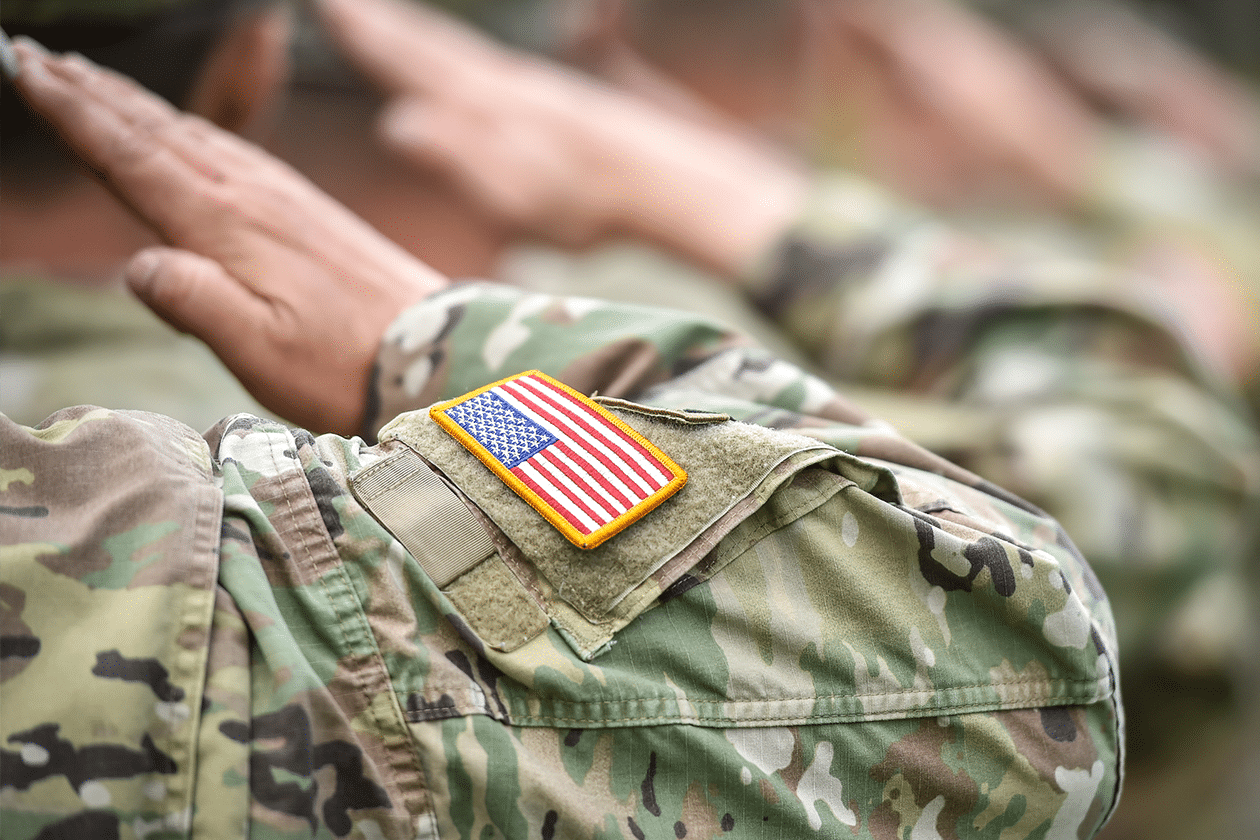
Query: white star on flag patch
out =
(588, 473)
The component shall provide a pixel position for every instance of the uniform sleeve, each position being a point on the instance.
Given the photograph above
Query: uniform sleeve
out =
(1054, 376)
(869, 618)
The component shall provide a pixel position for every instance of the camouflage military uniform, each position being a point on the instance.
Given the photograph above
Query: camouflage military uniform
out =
(827, 630)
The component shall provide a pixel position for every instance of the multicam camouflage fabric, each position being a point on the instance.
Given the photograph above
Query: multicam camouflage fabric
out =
(212, 635)
(1041, 369)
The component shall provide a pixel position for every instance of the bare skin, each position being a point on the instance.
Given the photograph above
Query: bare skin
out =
(556, 155)
(1121, 60)
(958, 90)
(288, 287)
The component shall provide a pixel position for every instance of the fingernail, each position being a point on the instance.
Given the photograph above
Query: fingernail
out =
(141, 271)
(8, 58)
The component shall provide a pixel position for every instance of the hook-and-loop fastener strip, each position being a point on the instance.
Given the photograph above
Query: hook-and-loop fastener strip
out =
(424, 514)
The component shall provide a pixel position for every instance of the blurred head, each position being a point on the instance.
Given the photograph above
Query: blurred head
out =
(223, 59)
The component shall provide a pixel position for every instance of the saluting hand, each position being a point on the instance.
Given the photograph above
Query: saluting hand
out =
(288, 287)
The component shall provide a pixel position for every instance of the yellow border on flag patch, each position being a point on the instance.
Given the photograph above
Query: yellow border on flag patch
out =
(572, 534)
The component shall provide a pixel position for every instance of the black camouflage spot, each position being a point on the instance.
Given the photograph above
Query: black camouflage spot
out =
(243, 424)
(85, 825)
(549, 825)
(936, 506)
(680, 830)
(985, 552)
(325, 489)
(805, 269)
(490, 676)
(237, 730)
(291, 728)
(988, 552)
(418, 709)
(460, 660)
(113, 665)
(931, 569)
(649, 787)
(728, 822)
(635, 830)
(678, 587)
(1058, 724)
(285, 797)
(1101, 649)
(297, 756)
(228, 531)
(353, 789)
(572, 737)
(24, 647)
(1091, 580)
(1007, 538)
(29, 512)
(94, 761)
(303, 438)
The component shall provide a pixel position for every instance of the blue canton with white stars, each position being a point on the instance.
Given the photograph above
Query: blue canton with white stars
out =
(508, 435)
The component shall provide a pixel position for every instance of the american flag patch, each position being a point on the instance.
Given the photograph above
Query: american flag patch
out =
(588, 473)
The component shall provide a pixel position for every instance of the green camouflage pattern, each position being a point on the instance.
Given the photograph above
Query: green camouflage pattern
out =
(211, 638)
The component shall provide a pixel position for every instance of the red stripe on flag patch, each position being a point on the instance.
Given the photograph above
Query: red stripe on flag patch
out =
(582, 468)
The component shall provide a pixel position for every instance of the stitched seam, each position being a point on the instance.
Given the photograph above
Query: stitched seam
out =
(816, 697)
(924, 711)
(377, 467)
(363, 688)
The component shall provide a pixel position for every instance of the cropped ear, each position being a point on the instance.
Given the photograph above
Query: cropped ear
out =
(245, 72)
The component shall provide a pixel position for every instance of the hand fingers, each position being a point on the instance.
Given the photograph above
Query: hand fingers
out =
(182, 175)
(202, 145)
(194, 294)
(116, 138)
(406, 47)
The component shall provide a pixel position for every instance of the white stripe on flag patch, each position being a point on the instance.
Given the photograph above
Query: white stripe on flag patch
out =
(606, 462)
(583, 469)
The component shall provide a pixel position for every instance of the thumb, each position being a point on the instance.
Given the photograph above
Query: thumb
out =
(195, 295)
